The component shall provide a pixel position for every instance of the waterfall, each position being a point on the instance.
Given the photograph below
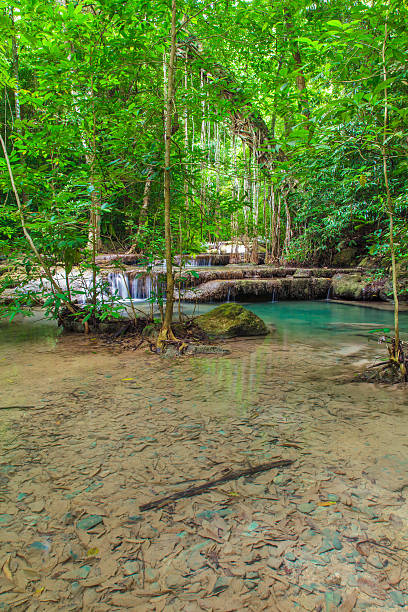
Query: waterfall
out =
(118, 284)
(135, 288)
(231, 293)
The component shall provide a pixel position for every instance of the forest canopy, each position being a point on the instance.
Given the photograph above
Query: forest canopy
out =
(282, 114)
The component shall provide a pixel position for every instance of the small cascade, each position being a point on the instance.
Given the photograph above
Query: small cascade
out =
(231, 293)
(119, 283)
(141, 288)
(203, 260)
(274, 299)
(199, 260)
(130, 288)
(328, 293)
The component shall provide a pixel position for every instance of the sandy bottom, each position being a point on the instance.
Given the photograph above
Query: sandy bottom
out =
(88, 434)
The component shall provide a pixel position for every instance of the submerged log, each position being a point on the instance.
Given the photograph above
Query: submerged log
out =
(231, 475)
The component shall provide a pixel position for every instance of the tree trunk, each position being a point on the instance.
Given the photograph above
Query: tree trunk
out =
(300, 77)
(145, 204)
(17, 108)
(395, 350)
(166, 333)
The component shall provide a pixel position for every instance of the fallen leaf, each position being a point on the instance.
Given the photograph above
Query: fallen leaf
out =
(6, 570)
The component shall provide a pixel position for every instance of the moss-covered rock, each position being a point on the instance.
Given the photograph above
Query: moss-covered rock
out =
(348, 286)
(230, 320)
(345, 257)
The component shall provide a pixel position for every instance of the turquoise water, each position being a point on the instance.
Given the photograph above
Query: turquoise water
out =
(323, 321)
(320, 320)
(326, 318)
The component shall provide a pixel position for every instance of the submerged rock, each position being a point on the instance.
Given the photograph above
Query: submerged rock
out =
(230, 320)
(195, 349)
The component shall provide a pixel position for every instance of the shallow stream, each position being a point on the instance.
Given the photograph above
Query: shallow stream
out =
(90, 431)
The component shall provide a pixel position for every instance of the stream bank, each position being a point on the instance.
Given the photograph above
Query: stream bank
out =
(220, 283)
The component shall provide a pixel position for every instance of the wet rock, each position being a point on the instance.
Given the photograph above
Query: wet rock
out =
(230, 320)
(287, 288)
(196, 349)
(302, 273)
(390, 472)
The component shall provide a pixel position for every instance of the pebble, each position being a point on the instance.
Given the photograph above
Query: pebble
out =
(5, 519)
(326, 546)
(376, 561)
(274, 562)
(151, 575)
(84, 571)
(306, 508)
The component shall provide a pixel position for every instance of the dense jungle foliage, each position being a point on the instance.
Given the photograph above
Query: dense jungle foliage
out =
(278, 131)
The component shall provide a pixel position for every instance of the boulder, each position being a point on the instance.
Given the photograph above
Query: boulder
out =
(230, 320)
(348, 286)
(345, 257)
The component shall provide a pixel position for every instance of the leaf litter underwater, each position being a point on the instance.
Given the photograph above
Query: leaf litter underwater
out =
(90, 435)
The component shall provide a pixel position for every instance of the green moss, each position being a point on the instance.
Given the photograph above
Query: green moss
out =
(348, 286)
(229, 320)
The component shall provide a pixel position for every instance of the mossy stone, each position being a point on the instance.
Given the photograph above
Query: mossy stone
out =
(348, 286)
(231, 320)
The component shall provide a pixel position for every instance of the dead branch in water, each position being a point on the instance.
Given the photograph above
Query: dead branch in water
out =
(231, 475)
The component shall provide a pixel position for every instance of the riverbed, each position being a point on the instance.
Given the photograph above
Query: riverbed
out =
(89, 433)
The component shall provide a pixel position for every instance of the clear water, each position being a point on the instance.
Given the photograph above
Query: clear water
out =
(325, 319)
(86, 429)
(327, 322)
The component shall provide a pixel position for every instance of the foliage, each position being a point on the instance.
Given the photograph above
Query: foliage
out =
(277, 128)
